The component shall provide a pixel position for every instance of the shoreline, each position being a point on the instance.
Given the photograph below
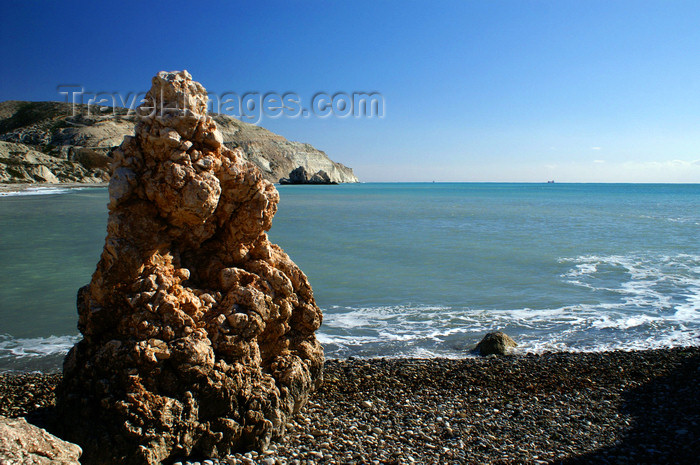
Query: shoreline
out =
(555, 407)
(20, 187)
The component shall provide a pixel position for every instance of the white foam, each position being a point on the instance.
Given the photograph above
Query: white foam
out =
(35, 347)
(677, 338)
(582, 269)
(624, 323)
(683, 219)
(690, 310)
(40, 191)
(653, 282)
(421, 352)
(325, 338)
(638, 319)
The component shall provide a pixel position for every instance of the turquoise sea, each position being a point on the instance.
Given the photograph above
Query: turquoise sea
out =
(419, 270)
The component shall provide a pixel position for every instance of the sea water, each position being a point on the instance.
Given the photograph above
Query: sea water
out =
(419, 270)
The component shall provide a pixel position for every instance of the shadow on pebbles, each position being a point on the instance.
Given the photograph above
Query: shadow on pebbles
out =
(614, 407)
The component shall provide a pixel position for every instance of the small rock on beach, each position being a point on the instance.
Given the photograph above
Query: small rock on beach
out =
(496, 343)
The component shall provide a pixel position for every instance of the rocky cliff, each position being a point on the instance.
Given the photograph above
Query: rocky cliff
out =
(57, 142)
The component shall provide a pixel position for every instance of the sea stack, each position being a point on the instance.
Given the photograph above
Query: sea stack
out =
(198, 333)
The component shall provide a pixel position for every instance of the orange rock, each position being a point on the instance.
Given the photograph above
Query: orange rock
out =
(198, 332)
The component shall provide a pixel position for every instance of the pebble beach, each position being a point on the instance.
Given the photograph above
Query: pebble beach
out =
(638, 407)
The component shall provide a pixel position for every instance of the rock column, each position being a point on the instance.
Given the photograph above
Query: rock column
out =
(198, 333)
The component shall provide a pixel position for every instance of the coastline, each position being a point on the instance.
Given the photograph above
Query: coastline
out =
(20, 187)
(604, 407)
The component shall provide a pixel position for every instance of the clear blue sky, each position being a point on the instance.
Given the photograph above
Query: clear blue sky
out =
(484, 90)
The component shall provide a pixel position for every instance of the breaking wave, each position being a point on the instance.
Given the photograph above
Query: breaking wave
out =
(40, 191)
(34, 354)
(636, 302)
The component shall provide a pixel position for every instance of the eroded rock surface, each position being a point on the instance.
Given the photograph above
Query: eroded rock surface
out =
(198, 332)
(26, 444)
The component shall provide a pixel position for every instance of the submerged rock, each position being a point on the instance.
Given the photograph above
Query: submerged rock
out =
(198, 333)
(498, 343)
(21, 442)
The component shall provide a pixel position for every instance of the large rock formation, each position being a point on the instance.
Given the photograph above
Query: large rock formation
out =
(80, 138)
(198, 332)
